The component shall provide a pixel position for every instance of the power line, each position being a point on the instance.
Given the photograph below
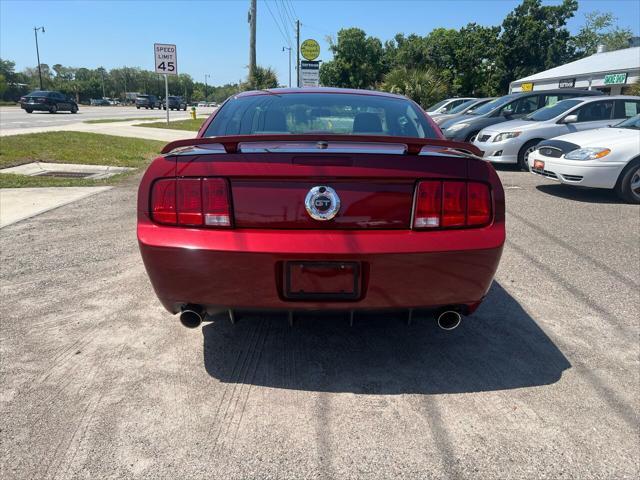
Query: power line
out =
(293, 10)
(286, 39)
(287, 13)
(283, 20)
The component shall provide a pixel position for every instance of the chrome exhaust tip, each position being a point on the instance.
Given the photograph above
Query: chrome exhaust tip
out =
(191, 316)
(449, 320)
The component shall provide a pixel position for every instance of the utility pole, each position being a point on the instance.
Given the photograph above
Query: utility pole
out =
(298, 52)
(206, 95)
(35, 31)
(288, 48)
(252, 42)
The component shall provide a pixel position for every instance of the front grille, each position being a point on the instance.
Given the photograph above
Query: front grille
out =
(483, 138)
(544, 173)
(550, 152)
(572, 178)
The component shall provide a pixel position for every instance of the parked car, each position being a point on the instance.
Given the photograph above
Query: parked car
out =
(98, 102)
(202, 104)
(444, 106)
(48, 101)
(314, 199)
(148, 102)
(509, 107)
(175, 103)
(467, 107)
(603, 158)
(512, 141)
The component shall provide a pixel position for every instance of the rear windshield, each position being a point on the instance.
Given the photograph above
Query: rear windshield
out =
(40, 93)
(552, 111)
(333, 113)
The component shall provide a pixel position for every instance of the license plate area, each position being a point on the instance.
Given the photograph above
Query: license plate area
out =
(538, 165)
(322, 280)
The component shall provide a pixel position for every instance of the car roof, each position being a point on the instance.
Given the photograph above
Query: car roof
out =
(348, 91)
(561, 90)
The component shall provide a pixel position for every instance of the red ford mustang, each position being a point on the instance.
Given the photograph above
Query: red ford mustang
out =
(303, 199)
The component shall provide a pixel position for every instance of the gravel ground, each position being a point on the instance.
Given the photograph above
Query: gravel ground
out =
(98, 381)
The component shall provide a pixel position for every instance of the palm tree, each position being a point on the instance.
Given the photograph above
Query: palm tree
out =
(424, 86)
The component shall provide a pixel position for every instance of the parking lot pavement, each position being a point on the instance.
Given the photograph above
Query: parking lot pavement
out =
(14, 118)
(542, 382)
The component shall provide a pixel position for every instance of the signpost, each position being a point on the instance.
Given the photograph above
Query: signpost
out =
(166, 61)
(309, 74)
(310, 69)
(567, 83)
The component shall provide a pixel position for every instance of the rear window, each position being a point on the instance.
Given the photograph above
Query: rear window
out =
(300, 113)
(493, 104)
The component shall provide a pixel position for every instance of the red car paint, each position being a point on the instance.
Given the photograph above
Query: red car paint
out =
(370, 256)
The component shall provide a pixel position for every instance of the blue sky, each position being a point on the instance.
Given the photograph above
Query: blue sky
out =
(213, 37)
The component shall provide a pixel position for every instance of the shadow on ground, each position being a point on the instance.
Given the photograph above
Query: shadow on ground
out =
(499, 347)
(577, 194)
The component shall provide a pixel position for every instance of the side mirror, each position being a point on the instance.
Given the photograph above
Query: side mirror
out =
(570, 119)
(507, 112)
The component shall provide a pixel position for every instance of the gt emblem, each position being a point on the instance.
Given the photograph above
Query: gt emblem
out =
(322, 203)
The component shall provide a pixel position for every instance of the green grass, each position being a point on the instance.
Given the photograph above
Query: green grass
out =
(190, 125)
(4, 103)
(111, 120)
(72, 147)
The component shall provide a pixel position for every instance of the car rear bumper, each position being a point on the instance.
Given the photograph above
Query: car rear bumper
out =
(35, 106)
(594, 174)
(245, 269)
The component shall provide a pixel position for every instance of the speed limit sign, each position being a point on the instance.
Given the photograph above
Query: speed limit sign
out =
(166, 58)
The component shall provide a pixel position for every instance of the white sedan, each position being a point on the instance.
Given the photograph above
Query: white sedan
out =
(600, 158)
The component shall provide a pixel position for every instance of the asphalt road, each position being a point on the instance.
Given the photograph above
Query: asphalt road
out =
(98, 381)
(15, 118)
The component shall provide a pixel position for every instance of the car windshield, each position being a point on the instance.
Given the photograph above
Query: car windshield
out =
(552, 111)
(462, 106)
(633, 123)
(38, 93)
(493, 104)
(334, 113)
(143, 96)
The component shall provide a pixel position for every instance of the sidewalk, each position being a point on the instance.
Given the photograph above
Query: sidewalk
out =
(120, 129)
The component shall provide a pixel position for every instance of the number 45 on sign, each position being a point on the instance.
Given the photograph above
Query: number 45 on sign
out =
(166, 58)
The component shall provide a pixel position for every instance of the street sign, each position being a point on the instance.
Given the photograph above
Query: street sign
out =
(309, 74)
(166, 58)
(310, 49)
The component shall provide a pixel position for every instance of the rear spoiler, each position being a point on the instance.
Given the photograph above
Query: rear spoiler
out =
(414, 145)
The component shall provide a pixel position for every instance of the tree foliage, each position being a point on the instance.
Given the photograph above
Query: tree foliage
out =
(601, 29)
(424, 86)
(263, 77)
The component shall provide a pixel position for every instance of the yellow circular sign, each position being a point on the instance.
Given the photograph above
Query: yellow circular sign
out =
(310, 49)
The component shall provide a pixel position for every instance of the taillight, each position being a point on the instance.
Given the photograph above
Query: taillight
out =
(191, 202)
(448, 203)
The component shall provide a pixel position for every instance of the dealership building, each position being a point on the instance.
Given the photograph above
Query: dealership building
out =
(610, 72)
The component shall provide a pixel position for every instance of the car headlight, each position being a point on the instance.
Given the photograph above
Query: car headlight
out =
(457, 126)
(588, 153)
(506, 136)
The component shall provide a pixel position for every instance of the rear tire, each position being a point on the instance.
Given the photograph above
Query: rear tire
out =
(74, 109)
(628, 186)
(138, 108)
(28, 110)
(53, 109)
(524, 152)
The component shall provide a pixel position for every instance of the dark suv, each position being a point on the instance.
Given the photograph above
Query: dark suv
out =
(509, 107)
(147, 101)
(175, 103)
(47, 101)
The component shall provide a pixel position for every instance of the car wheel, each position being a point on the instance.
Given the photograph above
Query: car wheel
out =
(628, 186)
(138, 108)
(523, 154)
(53, 109)
(28, 110)
(74, 109)
(471, 137)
